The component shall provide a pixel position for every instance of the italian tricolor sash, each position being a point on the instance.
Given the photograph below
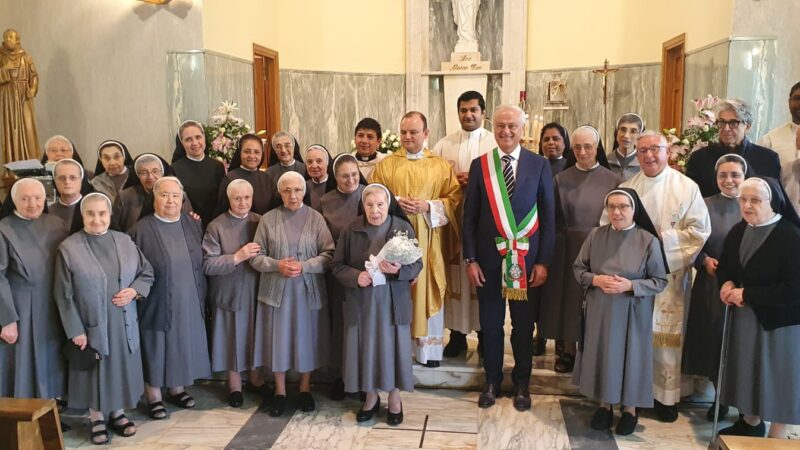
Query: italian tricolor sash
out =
(513, 240)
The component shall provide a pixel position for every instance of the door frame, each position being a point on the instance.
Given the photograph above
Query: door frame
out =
(272, 96)
(667, 82)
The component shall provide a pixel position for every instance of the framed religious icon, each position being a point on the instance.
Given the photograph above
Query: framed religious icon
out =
(556, 91)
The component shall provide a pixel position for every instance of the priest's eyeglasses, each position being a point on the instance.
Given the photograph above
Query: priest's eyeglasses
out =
(652, 149)
(732, 124)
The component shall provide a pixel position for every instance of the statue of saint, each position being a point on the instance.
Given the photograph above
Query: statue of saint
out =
(465, 13)
(19, 83)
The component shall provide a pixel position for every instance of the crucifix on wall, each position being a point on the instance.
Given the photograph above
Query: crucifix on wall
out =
(605, 71)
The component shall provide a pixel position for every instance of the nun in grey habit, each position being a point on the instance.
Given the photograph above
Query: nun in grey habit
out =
(377, 317)
(31, 335)
(621, 267)
(232, 286)
(171, 320)
(292, 322)
(760, 279)
(99, 273)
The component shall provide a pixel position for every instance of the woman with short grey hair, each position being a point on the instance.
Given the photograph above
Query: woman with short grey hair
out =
(292, 322)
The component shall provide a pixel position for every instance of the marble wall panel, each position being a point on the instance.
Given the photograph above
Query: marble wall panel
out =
(436, 106)
(442, 36)
(324, 107)
(230, 79)
(751, 76)
(634, 88)
(705, 72)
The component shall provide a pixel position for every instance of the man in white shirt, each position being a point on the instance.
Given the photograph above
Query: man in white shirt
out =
(367, 138)
(786, 138)
(460, 148)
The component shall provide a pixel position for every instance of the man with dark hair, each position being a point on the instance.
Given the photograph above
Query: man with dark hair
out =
(786, 138)
(367, 139)
(428, 191)
(460, 148)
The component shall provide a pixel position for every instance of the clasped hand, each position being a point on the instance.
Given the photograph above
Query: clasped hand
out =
(413, 206)
(612, 284)
(731, 295)
(124, 297)
(290, 267)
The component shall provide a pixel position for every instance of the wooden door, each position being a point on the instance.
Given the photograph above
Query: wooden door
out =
(672, 68)
(266, 91)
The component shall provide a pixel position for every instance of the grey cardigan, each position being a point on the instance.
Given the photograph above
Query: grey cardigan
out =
(80, 289)
(315, 248)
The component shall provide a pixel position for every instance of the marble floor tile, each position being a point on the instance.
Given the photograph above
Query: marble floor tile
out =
(454, 441)
(437, 410)
(390, 439)
(502, 426)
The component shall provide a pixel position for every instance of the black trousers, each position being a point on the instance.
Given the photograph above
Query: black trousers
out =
(492, 311)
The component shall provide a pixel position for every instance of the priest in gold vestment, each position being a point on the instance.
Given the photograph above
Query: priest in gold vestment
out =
(428, 191)
(19, 83)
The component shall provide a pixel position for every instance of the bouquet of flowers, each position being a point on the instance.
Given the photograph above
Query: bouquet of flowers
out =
(700, 132)
(224, 132)
(389, 142)
(398, 250)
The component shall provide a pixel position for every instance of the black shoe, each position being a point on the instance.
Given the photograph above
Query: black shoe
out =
(723, 411)
(666, 413)
(457, 344)
(559, 347)
(366, 415)
(278, 406)
(264, 390)
(432, 364)
(627, 423)
(741, 428)
(395, 419)
(306, 402)
(539, 346)
(522, 398)
(602, 419)
(488, 396)
(235, 399)
(480, 343)
(565, 363)
(337, 390)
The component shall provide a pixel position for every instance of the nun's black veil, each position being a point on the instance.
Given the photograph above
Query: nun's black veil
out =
(564, 135)
(75, 155)
(779, 201)
(641, 218)
(180, 152)
(601, 157)
(273, 157)
(394, 208)
(342, 157)
(98, 168)
(236, 159)
(135, 181)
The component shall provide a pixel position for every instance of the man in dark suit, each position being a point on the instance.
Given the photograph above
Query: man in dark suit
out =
(506, 187)
(734, 118)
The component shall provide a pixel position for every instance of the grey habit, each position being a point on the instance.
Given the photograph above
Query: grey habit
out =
(110, 185)
(171, 319)
(615, 362)
(579, 197)
(624, 166)
(703, 338)
(232, 291)
(32, 367)
(292, 323)
(129, 204)
(378, 345)
(276, 170)
(90, 270)
(315, 192)
(338, 209)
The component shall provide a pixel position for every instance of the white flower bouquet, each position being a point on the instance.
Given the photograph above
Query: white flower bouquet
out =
(398, 250)
(224, 132)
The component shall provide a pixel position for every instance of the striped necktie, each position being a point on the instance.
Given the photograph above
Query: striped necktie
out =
(508, 174)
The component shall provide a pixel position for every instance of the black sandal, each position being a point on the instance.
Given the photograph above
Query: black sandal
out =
(98, 433)
(121, 428)
(156, 411)
(182, 399)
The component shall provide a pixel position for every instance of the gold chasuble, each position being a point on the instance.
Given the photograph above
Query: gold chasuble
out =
(428, 178)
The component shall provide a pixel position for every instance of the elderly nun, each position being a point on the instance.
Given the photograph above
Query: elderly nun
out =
(173, 333)
(245, 164)
(285, 156)
(377, 314)
(112, 169)
(232, 287)
(99, 274)
(321, 179)
(292, 322)
(31, 365)
(136, 198)
(760, 279)
(622, 267)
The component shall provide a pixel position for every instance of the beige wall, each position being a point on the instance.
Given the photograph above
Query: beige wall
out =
(340, 36)
(581, 33)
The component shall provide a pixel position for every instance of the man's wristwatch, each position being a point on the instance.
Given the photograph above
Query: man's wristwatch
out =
(468, 261)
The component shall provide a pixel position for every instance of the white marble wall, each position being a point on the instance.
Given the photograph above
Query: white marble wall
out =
(634, 88)
(751, 76)
(705, 72)
(102, 67)
(324, 107)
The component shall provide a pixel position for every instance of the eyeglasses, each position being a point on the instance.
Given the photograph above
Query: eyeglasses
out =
(621, 208)
(290, 191)
(153, 173)
(652, 149)
(732, 124)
